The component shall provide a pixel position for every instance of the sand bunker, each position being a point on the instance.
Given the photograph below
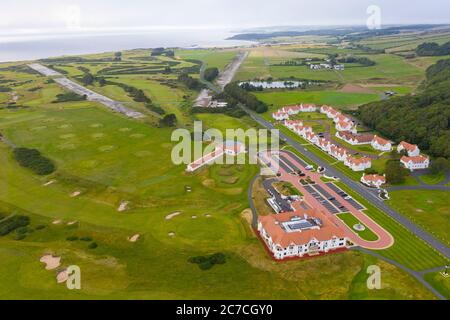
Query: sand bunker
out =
(49, 183)
(51, 262)
(208, 215)
(123, 206)
(96, 125)
(71, 223)
(194, 217)
(134, 238)
(172, 215)
(62, 276)
(57, 222)
(75, 194)
(171, 234)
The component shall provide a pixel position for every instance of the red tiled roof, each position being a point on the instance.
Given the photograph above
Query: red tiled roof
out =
(272, 225)
(418, 159)
(407, 146)
(381, 141)
(374, 178)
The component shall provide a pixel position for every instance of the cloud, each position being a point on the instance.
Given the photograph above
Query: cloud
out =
(103, 14)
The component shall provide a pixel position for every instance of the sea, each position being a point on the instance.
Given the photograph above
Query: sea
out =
(39, 46)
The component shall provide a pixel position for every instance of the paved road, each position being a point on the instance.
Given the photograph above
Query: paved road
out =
(91, 95)
(369, 195)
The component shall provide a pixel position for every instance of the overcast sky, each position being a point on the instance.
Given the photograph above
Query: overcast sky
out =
(66, 15)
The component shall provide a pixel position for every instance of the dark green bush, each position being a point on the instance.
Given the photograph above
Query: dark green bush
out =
(72, 238)
(32, 159)
(92, 245)
(15, 222)
(207, 262)
(87, 239)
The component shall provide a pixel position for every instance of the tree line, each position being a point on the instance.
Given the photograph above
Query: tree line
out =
(422, 119)
(234, 91)
(433, 49)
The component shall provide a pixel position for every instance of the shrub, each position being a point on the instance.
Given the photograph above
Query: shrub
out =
(87, 239)
(9, 225)
(32, 159)
(207, 262)
(92, 245)
(19, 237)
(40, 227)
(68, 97)
(72, 238)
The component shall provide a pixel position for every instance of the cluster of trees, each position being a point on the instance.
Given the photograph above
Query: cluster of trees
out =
(207, 262)
(433, 49)
(118, 56)
(229, 111)
(190, 82)
(423, 119)
(361, 60)
(138, 95)
(211, 74)
(169, 120)
(234, 91)
(162, 51)
(32, 159)
(69, 96)
(13, 223)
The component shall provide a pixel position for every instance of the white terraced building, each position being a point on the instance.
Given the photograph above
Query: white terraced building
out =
(358, 164)
(381, 144)
(300, 234)
(415, 163)
(411, 149)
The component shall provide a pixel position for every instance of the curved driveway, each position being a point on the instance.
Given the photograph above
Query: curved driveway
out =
(369, 195)
(385, 239)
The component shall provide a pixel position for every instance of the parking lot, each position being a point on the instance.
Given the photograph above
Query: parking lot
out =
(281, 203)
(330, 203)
(344, 195)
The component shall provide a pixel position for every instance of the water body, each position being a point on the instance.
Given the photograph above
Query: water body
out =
(19, 48)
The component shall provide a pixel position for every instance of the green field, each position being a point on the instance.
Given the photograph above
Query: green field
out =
(350, 220)
(429, 209)
(334, 98)
(104, 160)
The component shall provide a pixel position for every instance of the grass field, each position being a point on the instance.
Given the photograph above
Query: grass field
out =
(429, 209)
(350, 220)
(110, 159)
(335, 98)
(441, 284)
(407, 249)
(389, 69)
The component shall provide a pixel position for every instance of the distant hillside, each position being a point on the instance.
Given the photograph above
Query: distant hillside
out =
(423, 119)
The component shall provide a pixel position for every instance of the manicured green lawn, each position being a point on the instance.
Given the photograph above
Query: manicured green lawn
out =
(334, 98)
(433, 178)
(112, 159)
(429, 209)
(350, 220)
